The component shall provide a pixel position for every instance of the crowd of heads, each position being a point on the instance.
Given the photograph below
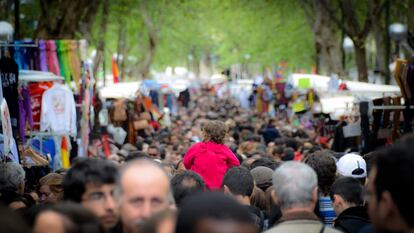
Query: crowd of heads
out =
(146, 187)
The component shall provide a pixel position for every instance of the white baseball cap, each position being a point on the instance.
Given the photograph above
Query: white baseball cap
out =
(352, 165)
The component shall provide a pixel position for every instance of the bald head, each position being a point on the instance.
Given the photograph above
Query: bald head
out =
(143, 189)
(143, 171)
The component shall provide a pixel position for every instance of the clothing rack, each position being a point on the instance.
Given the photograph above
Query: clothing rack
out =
(6, 44)
(391, 107)
(38, 76)
(49, 134)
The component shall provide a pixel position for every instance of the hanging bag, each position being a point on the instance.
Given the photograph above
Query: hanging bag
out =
(120, 113)
(141, 124)
(145, 116)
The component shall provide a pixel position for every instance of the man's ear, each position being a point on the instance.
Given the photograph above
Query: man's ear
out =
(337, 200)
(315, 195)
(226, 190)
(21, 187)
(274, 197)
(388, 210)
(387, 206)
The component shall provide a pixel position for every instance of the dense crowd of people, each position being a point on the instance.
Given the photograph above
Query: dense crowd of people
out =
(218, 168)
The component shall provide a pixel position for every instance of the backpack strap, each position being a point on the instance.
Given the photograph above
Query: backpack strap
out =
(322, 229)
(262, 218)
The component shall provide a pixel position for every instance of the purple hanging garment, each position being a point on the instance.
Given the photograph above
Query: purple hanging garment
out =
(42, 56)
(25, 110)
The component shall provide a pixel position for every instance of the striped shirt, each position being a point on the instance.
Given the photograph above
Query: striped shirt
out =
(326, 210)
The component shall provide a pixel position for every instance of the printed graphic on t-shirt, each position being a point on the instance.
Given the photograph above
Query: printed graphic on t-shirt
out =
(8, 79)
(58, 102)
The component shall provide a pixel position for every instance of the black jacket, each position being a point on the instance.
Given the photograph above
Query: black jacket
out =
(259, 217)
(269, 134)
(352, 220)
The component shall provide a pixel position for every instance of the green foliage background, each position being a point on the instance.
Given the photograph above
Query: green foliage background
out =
(269, 31)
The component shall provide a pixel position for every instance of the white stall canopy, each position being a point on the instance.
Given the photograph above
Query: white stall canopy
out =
(120, 90)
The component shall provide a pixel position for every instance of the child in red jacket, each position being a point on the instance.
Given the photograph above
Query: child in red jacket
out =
(211, 158)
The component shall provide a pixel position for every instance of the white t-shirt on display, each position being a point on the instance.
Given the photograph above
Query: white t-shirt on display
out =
(58, 110)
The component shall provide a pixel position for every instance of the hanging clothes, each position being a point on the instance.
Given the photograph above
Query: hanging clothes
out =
(13, 155)
(405, 80)
(52, 60)
(18, 55)
(25, 110)
(267, 97)
(33, 58)
(64, 150)
(184, 97)
(410, 77)
(341, 143)
(48, 149)
(280, 88)
(169, 101)
(58, 110)
(83, 50)
(154, 97)
(42, 56)
(63, 60)
(396, 119)
(259, 99)
(9, 73)
(73, 61)
(36, 91)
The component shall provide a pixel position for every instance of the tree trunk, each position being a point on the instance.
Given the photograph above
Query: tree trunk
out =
(361, 61)
(121, 51)
(355, 29)
(152, 42)
(149, 57)
(318, 56)
(329, 40)
(100, 55)
(381, 58)
(381, 44)
(326, 39)
(61, 19)
(122, 65)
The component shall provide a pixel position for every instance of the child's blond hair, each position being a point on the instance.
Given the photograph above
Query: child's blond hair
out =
(215, 131)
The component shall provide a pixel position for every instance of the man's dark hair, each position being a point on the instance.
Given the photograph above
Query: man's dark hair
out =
(292, 143)
(280, 141)
(12, 222)
(314, 149)
(395, 174)
(139, 145)
(325, 167)
(87, 171)
(136, 155)
(239, 181)
(79, 219)
(215, 206)
(288, 154)
(162, 151)
(255, 138)
(182, 189)
(154, 147)
(152, 224)
(265, 162)
(278, 150)
(350, 189)
(370, 159)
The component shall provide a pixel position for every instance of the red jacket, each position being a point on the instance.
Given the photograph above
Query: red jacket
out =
(211, 161)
